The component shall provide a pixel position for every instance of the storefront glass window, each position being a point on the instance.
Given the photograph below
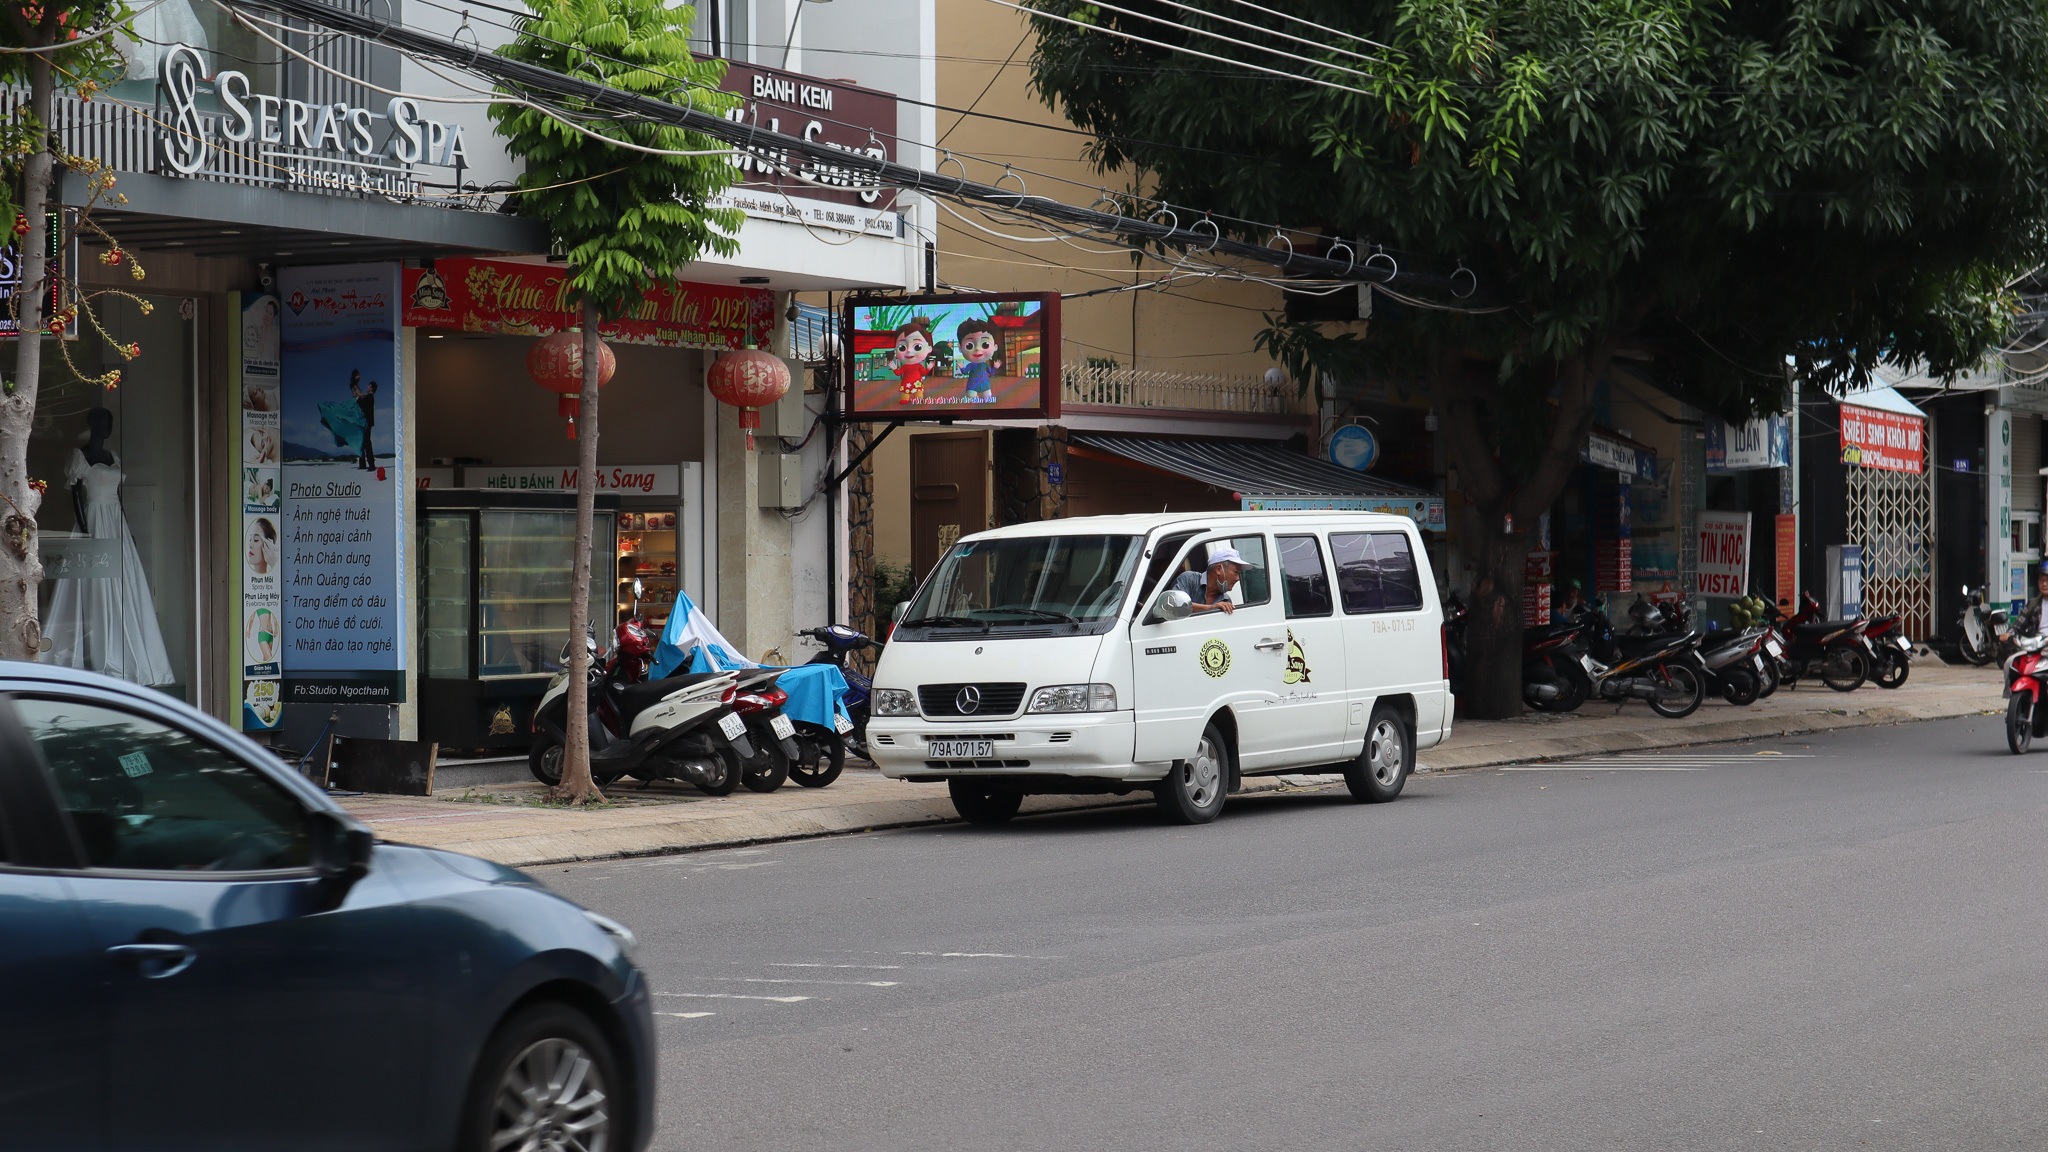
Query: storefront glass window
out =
(117, 525)
(444, 596)
(523, 587)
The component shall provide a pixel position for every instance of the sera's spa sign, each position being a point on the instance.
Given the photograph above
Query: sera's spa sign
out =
(334, 145)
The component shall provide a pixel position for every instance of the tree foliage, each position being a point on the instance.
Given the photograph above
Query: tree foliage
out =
(620, 215)
(82, 68)
(1713, 189)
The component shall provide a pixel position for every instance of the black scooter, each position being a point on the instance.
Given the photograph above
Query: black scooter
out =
(824, 752)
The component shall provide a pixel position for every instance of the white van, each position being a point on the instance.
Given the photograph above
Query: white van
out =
(1057, 657)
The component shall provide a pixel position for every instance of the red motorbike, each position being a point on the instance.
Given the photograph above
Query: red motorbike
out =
(1836, 651)
(2026, 671)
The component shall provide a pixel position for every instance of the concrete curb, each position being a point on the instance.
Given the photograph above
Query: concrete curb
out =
(699, 834)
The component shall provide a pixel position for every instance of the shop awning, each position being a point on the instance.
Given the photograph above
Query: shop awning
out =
(1265, 476)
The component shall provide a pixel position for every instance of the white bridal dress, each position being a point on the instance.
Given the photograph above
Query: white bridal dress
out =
(107, 624)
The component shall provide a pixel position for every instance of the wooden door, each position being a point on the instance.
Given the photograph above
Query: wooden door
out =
(948, 493)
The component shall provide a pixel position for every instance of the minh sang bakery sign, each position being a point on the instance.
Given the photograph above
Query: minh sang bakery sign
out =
(471, 295)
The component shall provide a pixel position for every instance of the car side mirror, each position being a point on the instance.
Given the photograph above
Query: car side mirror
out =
(341, 847)
(897, 613)
(1174, 604)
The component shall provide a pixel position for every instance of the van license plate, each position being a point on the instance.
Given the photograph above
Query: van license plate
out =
(732, 726)
(782, 728)
(962, 750)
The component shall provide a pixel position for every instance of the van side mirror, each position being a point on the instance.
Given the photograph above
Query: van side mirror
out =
(1173, 604)
(897, 613)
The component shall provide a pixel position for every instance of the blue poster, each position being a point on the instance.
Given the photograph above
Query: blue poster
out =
(344, 542)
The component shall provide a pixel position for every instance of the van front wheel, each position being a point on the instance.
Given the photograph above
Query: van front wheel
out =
(1193, 792)
(1386, 760)
(977, 803)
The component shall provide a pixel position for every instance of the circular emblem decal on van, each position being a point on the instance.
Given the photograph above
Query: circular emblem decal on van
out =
(1215, 657)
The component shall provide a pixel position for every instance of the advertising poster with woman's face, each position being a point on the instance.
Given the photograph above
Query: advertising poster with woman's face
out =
(260, 552)
(953, 356)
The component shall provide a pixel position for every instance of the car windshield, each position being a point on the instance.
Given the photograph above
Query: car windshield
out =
(1031, 581)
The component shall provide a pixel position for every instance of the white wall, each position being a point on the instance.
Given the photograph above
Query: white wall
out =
(489, 163)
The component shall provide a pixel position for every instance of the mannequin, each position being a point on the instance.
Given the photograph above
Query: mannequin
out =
(106, 621)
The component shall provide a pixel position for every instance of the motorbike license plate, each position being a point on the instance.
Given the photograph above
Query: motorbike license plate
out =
(732, 726)
(842, 724)
(1904, 645)
(1776, 649)
(782, 728)
(962, 750)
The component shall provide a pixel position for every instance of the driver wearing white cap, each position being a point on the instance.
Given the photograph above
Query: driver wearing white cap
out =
(1209, 591)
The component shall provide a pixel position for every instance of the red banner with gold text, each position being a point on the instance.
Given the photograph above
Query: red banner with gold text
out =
(471, 295)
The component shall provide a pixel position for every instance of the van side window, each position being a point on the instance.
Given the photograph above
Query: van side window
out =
(1255, 586)
(1376, 572)
(1307, 587)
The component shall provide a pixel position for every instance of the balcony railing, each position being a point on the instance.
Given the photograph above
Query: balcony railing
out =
(1139, 388)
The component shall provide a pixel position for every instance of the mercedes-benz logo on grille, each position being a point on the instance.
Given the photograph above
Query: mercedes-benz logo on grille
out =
(967, 700)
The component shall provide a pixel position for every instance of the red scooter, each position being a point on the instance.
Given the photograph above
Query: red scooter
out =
(2026, 670)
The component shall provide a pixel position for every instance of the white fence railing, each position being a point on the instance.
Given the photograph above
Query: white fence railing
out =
(1139, 388)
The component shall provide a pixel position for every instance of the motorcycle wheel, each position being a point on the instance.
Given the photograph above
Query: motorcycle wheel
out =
(1972, 653)
(727, 780)
(1892, 669)
(766, 772)
(1680, 695)
(1739, 687)
(821, 756)
(2019, 724)
(1577, 690)
(544, 760)
(1845, 669)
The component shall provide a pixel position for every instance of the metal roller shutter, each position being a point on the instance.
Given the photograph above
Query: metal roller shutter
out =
(2026, 463)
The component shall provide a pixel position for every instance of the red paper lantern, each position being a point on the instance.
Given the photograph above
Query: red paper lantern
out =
(749, 380)
(556, 364)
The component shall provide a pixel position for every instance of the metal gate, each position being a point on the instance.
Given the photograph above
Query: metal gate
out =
(1891, 514)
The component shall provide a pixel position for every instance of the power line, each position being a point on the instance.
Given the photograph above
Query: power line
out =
(842, 163)
(1227, 39)
(1173, 48)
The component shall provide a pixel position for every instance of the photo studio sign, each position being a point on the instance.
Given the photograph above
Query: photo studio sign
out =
(323, 146)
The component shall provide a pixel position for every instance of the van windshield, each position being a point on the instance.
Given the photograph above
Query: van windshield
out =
(1028, 582)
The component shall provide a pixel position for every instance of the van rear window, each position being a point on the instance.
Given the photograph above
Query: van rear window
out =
(1376, 572)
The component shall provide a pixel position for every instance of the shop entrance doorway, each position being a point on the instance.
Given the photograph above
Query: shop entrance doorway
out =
(948, 493)
(1891, 514)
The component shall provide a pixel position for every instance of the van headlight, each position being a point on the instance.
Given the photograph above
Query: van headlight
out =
(894, 702)
(1074, 698)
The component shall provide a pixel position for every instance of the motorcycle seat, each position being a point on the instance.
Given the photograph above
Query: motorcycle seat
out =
(1637, 645)
(1814, 630)
(633, 699)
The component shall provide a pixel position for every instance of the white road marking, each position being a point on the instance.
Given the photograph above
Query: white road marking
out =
(791, 964)
(732, 996)
(1599, 768)
(775, 980)
(686, 1015)
(982, 955)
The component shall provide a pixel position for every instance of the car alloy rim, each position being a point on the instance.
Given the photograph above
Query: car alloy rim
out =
(1384, 752)
(551, 1099)
(1203, 777)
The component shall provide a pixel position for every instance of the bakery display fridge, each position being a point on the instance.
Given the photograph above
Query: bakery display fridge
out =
(494, 595)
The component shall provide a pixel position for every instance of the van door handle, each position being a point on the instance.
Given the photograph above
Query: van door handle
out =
(157, 961)
(1270, 643)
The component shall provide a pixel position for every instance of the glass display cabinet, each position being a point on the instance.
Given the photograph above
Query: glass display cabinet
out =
(493, 596)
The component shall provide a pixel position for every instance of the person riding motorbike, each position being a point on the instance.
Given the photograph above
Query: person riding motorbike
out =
(2028, 622)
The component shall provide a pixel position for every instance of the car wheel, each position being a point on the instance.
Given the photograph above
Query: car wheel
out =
(544, 760)
(1193, 791)
(977, 803)
(1386, 760)
(547, 1080)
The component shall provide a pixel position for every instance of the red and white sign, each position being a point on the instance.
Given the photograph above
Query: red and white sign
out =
(1536, 573)
(1888, 440)
(1724, 553)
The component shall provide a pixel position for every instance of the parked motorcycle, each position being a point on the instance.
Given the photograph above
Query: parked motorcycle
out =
(1833, 650)
(676, 728)
(1663, 669)
(1977, 627)
(1455, 616)
(1887, 637)
(759, 702)
(2026, 673)
(821, 753)
(1731, 662)
(1553, 679)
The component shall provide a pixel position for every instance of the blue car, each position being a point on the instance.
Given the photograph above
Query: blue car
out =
(200, 950)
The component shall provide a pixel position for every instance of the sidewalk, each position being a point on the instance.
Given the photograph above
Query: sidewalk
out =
(500, 822)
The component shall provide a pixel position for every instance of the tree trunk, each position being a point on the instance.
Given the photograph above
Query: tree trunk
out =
(577, 786)
(1501, 523)
(21, 566)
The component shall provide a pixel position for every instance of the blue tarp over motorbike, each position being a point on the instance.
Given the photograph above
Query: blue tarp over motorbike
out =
(691, 643)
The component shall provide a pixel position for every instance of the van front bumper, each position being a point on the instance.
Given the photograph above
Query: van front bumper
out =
(1095, 745)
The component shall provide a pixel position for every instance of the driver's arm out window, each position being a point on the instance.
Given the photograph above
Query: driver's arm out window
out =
(1255, 586)
(144, 795)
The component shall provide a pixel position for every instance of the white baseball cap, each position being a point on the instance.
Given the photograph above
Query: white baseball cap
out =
(1229, 556)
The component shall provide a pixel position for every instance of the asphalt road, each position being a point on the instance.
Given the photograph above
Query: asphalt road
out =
(1821, 942)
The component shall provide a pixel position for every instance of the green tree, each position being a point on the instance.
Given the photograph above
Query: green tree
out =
(626, 203)
(48, 47)
(1707, 189)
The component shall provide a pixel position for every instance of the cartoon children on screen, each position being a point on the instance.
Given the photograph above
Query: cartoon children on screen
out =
(913, 348)
(982, 351)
